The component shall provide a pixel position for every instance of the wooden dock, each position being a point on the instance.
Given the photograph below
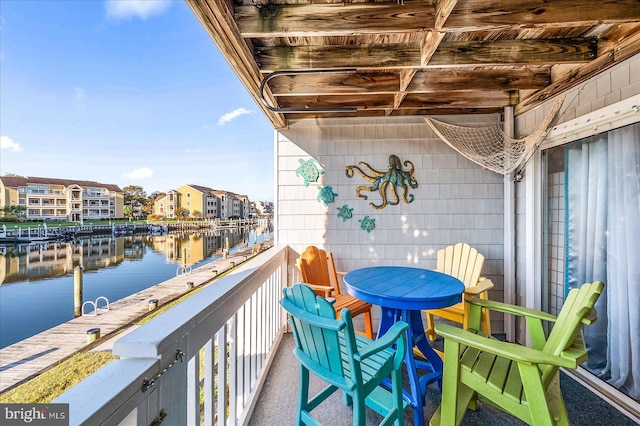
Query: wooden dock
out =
(30, 357)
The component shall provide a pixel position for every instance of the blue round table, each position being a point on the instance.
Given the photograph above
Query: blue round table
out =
(402, 293)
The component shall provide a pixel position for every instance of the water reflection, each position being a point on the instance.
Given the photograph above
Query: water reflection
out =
(30, 262)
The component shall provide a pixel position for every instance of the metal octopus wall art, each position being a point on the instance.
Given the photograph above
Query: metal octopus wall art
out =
(394, 177)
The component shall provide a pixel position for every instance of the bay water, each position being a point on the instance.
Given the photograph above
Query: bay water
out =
(37, 280)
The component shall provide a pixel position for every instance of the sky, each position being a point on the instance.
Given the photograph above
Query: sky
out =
(126, 92)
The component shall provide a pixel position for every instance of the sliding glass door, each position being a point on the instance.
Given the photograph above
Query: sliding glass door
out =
(593, 233)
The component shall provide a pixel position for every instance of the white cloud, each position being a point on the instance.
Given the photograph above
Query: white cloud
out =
(233, 114)
(7, 143)
(126, 9)
(139, 174)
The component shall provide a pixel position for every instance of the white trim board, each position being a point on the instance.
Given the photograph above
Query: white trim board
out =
(611, 117)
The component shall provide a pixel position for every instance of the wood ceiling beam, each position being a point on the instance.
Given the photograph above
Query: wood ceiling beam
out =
(343, 19)
(433, 80)
(477, 99)
(472, 15)
(399, 113)
(281, 58)
(443, 9)
(336, 84)
(409, 55)
(301, 20)
(515, 52)
(430, 80)
(362, 102)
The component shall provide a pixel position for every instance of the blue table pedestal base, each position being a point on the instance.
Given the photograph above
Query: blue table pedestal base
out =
(431, 369)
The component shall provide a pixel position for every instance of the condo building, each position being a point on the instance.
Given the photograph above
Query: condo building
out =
(62, 199)
(198, 201)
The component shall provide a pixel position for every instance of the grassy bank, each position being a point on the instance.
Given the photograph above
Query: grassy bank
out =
(53, 382)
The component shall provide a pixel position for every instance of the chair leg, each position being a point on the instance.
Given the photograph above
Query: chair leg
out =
(303, 401)
(431, 328)
(456, 396)
(359, 410)
(539, 412)
(396, 385)
(368, 327)
(556, 403)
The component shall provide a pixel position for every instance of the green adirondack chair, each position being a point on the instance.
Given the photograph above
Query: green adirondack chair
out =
(354, 364)
(516, 379)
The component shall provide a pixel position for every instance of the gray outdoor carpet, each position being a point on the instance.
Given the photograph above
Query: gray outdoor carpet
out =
(278, 401)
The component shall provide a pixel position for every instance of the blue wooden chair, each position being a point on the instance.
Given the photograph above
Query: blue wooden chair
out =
(516, 379)
(354, 364)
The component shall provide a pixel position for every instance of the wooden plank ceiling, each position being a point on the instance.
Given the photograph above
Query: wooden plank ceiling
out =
(326, 58)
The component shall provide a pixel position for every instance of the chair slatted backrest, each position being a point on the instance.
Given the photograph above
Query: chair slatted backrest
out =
(316, 267)
(567, 330)
(461, 261)
(317, 333)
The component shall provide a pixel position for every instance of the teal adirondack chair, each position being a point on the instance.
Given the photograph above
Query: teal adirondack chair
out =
(354, 364)
(519, 380)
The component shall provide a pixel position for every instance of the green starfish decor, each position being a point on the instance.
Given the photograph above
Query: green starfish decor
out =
(367, 223)
(326, 195)
(308, 170)
(345, 212)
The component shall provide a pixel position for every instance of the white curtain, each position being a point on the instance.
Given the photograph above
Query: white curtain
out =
(623, 260)
(603, 243)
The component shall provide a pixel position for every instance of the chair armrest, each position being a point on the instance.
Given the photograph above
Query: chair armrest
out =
(512, 351)
(396, 332)
(341, 274)
(483, 285)
(326, 290)
(510, 309)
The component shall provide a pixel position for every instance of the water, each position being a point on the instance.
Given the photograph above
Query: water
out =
(36, 280)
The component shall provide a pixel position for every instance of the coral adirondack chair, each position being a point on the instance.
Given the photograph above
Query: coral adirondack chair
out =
(353, 364)
(517, 379)
(318, 270)
(465, 263)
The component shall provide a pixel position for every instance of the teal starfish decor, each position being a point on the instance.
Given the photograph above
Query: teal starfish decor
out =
(367, 223)
(326, 195)
(345, 212)
(308, 170)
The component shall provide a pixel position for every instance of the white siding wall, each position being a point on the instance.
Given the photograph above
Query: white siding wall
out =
(614, 85)
(456, 200)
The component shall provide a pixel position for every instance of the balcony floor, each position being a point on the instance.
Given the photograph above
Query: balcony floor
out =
(278, 400)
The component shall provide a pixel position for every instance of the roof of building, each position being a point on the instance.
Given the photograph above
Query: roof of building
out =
(17, 181)
(203, 189)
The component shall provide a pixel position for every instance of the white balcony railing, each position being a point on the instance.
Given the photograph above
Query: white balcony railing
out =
(214, 347)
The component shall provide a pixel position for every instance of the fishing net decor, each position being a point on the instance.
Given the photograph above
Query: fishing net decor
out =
(489, 146)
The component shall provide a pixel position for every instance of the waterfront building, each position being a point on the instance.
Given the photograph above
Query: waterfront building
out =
(200, 201)
(262, 208)
(62, 199)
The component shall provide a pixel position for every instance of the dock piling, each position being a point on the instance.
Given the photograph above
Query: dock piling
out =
(77, 291)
